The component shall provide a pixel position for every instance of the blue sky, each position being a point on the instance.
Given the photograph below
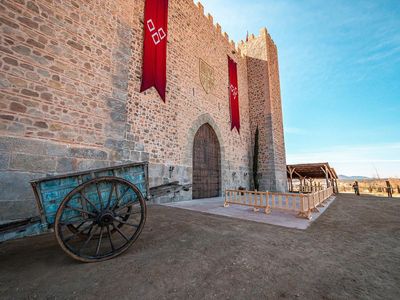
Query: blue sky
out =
(340, 77)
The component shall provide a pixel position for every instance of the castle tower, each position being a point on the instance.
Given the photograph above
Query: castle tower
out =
(266, 109)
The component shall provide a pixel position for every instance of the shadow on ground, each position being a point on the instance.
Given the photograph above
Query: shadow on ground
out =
(352, 251)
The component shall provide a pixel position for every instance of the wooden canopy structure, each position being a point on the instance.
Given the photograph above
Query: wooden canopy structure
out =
(311, 172)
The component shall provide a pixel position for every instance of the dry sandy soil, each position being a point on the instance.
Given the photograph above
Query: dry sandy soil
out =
(351, 252)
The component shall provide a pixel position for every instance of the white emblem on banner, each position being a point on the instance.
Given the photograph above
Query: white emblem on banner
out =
(157, 36)
(234, 91)
(150, 25)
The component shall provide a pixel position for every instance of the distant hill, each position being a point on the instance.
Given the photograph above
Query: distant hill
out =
(344, 177)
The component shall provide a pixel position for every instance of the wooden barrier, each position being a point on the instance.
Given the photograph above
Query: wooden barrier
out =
(303, 204)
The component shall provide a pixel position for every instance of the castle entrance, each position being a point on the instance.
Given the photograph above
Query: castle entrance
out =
(206, 164)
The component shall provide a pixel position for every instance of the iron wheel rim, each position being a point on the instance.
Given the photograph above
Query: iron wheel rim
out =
(100, 222)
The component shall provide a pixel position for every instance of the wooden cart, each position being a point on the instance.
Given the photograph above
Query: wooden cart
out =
(96, 215)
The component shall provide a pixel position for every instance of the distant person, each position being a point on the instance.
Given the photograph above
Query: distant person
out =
(389, 189)
(356, 188)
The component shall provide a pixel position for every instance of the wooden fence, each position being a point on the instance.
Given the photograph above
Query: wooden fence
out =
(303, 204)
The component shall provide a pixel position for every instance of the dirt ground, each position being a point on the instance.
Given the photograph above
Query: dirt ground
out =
(351, 252)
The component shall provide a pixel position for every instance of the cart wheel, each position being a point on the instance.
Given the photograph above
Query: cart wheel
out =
(100, 219)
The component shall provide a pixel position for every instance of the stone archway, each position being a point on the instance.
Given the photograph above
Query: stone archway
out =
(200, 121)
(206, 163)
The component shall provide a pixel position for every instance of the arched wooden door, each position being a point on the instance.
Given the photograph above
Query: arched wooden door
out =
(206, 164)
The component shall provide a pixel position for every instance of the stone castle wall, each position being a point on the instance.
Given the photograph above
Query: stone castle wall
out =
(69, 95)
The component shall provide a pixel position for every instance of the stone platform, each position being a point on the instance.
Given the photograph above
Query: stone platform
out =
(277, 217)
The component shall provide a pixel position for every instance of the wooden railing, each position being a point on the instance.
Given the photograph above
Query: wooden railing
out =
(303, 204)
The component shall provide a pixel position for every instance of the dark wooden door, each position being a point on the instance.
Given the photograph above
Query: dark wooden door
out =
(206, 164)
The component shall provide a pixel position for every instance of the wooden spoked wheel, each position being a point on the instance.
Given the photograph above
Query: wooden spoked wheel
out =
(100, 219)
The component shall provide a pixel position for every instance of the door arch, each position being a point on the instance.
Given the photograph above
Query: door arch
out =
(206, 163)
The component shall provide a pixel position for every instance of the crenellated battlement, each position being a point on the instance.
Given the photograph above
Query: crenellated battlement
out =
(200, 7)
(254, 45)
(262, 34)
(241, 46)
(210, 18)
(217, 26)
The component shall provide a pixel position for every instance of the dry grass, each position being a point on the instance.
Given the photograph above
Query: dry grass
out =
(376, 187)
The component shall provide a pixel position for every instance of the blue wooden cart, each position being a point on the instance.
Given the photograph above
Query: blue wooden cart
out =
(95, 215)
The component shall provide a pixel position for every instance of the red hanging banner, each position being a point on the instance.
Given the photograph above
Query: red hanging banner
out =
(234, 94)
(155, 46)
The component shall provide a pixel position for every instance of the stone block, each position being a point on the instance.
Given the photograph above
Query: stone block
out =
(4, 160)
(115, 130)
(145, 156)
(66, 164)
(13, 210)
(135, 156)
(32, 163)
(17, 199)
(85, 164)
(120, 95)
(16, 128)
(88, 153)
(114, 144)
(139, 147)
(75, 45)
(17, 107)
(55, 149)
(28, 22)
(126, 154)
(8, 23)
(156, 170)
(4, 83)
(116, 155)
(5, 144)
(116, 105)
(23, 145)
(124, 32)
(118, 117)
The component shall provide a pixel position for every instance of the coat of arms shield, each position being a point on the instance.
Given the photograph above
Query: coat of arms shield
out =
(206, 76)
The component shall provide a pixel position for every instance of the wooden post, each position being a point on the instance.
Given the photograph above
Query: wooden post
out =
(267, 207)
(226, 204)
(326, 172)
(327, 176)
(291, 182)
(291, 171)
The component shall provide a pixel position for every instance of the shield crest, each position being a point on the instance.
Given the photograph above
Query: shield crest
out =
(206, 76)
